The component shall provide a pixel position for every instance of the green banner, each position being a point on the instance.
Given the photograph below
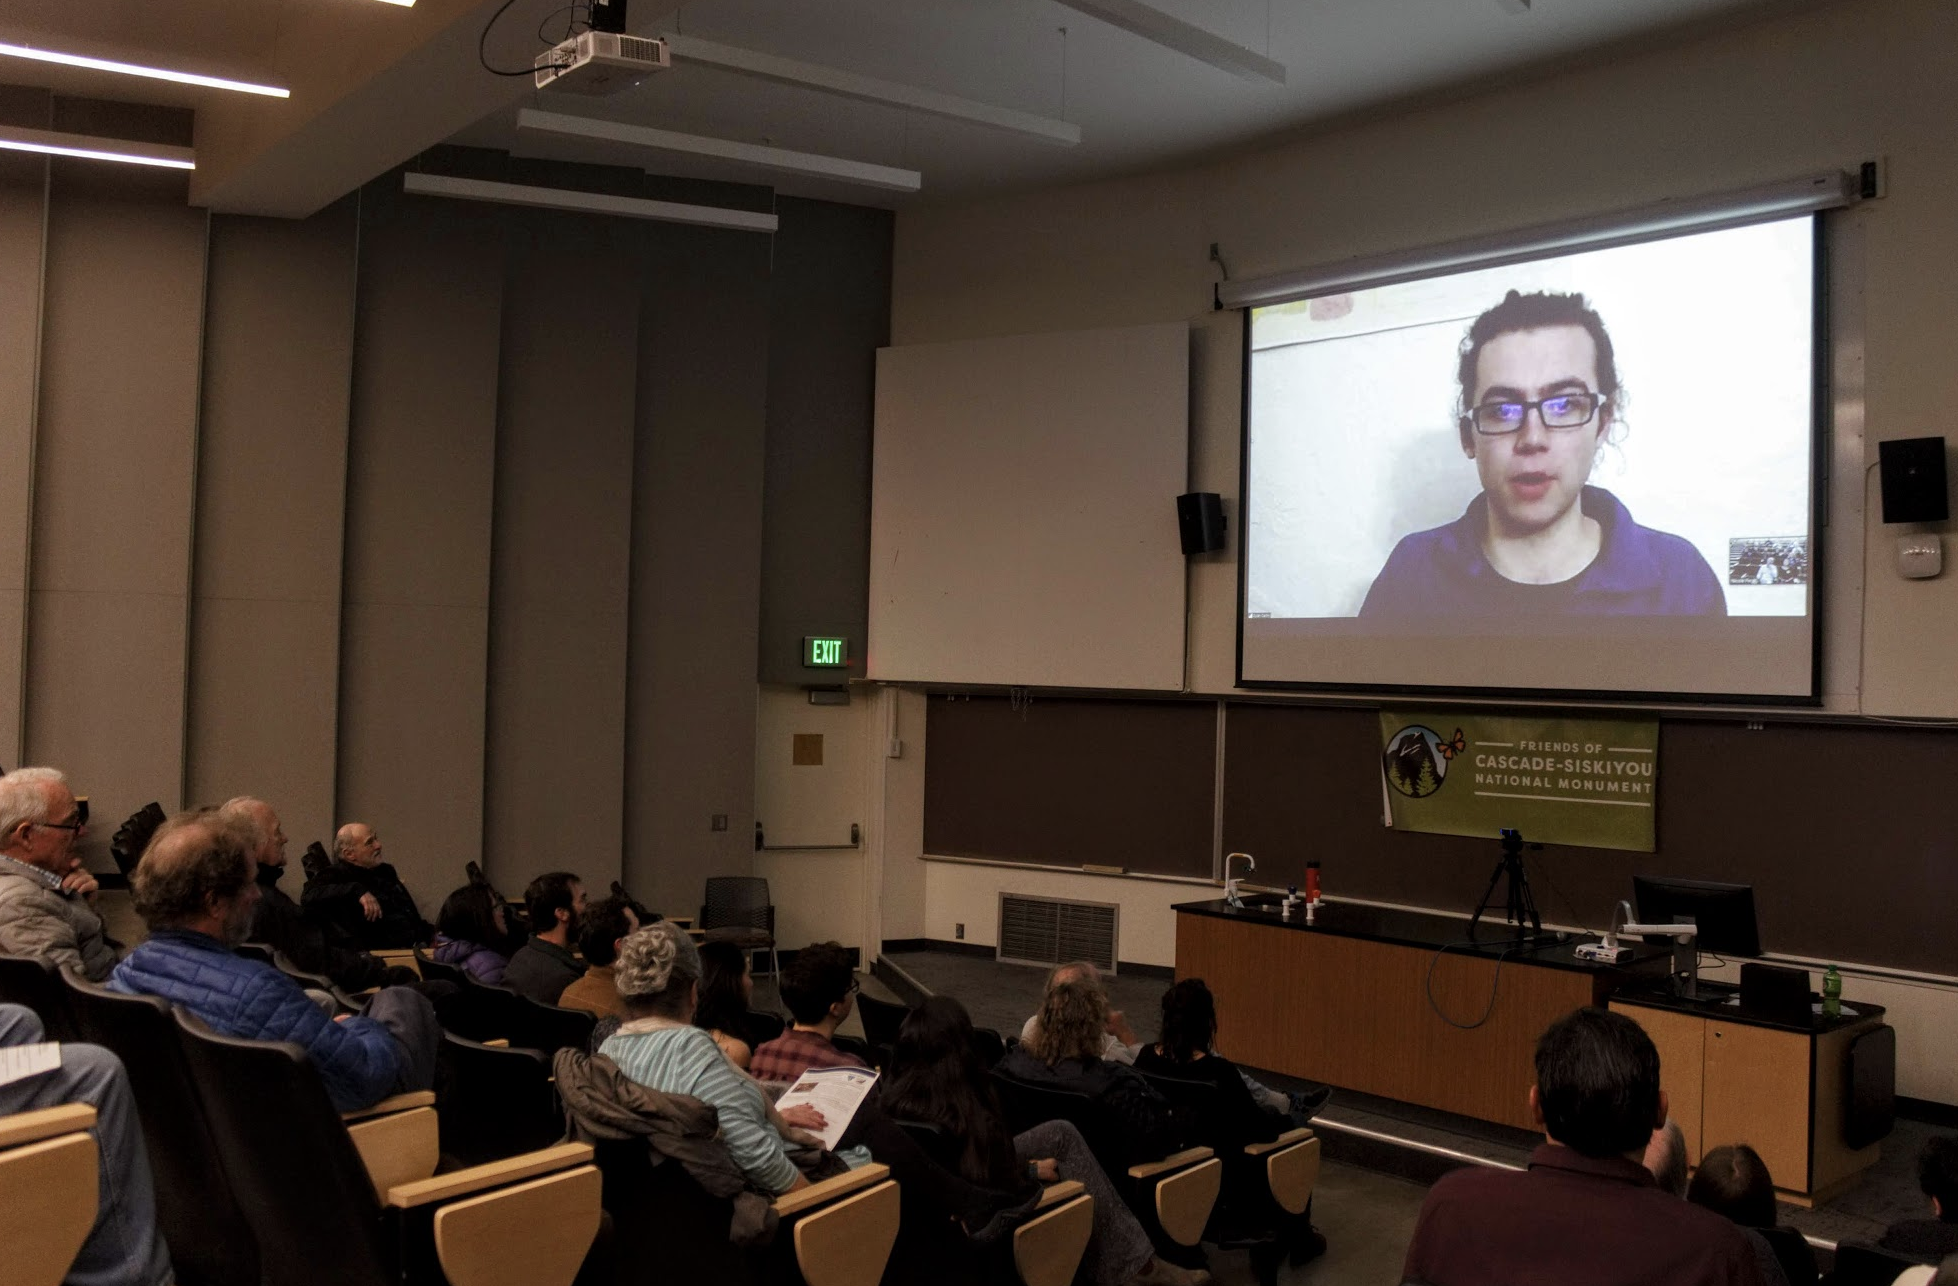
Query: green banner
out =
(1592, 782)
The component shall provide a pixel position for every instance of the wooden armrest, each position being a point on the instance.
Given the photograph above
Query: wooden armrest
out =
(794, 1203)
(1285, 1140)
(460, 1183)
(501, 1042)
(1174, 1161)
(1185, 1199)
(398, 1148)
(684, 921)
(45, 1123)
(848, 1242)
(395, 955)
(1055, 1193)
(393, 1103)
(536, 1232)
(1047, 1248)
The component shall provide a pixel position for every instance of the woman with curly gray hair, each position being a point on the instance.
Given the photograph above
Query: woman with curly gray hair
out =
(658, 977)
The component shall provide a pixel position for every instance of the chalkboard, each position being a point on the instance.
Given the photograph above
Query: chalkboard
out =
(1844, 830)
(1069, 781)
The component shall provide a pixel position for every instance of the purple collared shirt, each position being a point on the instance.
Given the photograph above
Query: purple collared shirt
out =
(1443, 572)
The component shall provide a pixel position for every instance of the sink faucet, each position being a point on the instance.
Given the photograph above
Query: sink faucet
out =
(1230, 884)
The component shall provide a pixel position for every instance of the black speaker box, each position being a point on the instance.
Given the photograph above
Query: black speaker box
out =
(1913, 480)
(1200, 521)
(606, 15)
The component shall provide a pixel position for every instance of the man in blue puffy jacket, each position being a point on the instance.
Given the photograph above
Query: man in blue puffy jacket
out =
(196, 888)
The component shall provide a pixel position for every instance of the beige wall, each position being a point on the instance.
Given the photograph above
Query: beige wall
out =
(1827, 87)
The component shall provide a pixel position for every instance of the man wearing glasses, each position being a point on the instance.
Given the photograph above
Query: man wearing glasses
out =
(45, 895)
(1539, 400)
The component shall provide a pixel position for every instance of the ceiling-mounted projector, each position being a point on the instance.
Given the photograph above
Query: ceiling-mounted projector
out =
(600, 62)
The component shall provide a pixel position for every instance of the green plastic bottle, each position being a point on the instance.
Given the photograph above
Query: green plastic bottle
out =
(1832, 994)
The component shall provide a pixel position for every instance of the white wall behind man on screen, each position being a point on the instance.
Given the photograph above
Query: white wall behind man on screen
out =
(1354, 444)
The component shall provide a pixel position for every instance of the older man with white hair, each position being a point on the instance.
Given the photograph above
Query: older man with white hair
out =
(279, 922)
(46, 898)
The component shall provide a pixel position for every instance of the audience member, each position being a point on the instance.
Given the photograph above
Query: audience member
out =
(364, 896)
(195, 888)
(818, 988)
(46, 899)
(1122, 1045)
(1189, 1026)
(1733, 1181)
(1065, 1053)
(727, 989)
(279, 922)
(1120, 1042)
(658, 977)
(123, 1247)
(936, 1078)
(1937, 1176)
(1587, 1210)
(544, 966)
(606, 924)
(472, 934)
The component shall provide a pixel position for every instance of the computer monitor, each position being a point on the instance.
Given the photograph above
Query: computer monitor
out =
(1724, 913)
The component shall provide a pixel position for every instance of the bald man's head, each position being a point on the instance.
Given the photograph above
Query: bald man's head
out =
(356, 842)
(197, 873)
(260, 825)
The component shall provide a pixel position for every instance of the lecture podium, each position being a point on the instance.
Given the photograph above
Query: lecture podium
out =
(1404, 1005)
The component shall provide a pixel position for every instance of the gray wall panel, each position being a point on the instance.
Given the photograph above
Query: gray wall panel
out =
(415, 622)
(696, 570)
(23, 226)
(271, 498)
(113, 486)
(829, 312)
(556, 732)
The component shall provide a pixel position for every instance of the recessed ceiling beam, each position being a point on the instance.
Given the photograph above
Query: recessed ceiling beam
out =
(90, 148)
(808, 164)
(631, 207)
(870, 89)
(1173, 33)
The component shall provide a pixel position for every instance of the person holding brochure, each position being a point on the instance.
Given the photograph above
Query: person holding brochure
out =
(658, 975)
(1540, 398)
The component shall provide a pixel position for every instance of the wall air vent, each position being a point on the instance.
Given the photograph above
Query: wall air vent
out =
(1046, 931)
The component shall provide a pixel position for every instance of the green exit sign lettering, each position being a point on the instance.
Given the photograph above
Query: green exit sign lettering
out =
(822, 653)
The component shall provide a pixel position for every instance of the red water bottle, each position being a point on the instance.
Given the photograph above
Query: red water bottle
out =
(1312, 883)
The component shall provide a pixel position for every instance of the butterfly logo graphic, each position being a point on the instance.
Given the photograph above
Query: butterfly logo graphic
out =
(1452, 747)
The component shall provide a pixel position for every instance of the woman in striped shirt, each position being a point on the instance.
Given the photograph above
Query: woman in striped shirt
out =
(658, 977)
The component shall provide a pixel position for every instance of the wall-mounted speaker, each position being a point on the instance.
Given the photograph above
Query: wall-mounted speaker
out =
(1913, 480)
(1200, 521)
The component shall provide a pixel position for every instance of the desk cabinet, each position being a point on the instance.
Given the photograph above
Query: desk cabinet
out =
(1778, 1091)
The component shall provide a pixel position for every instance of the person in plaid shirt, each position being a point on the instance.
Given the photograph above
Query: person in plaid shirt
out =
(818, 989)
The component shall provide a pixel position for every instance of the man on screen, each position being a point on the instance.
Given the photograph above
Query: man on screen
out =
(1539, 400)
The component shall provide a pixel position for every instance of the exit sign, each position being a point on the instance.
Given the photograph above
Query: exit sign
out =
(821, 653)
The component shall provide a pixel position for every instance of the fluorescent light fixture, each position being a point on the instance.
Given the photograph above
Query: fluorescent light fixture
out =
(405, 4)
(631, 207)
(90, 148)
(869, 89)
(137, 69)
(767, 158)
(1170, 32)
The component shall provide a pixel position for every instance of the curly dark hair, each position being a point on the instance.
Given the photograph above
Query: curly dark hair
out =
(1538, 310)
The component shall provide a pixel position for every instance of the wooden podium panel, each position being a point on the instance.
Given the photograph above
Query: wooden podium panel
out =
(1356, 1013)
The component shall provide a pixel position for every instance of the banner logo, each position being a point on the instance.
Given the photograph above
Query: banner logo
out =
(1417, 759)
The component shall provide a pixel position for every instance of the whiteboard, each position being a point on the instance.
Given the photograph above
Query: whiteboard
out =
(1023, 510)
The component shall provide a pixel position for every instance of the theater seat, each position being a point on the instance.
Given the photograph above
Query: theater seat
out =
(353, 1202)
(48, 1192)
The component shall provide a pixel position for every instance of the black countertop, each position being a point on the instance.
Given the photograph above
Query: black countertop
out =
(1425, 930)
(1721, 1001)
